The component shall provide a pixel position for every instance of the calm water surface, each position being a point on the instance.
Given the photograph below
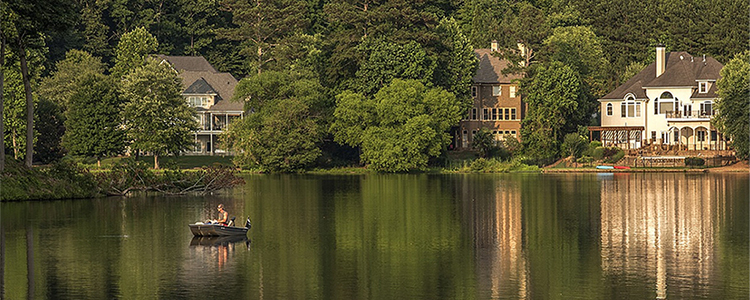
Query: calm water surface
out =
(511, 236)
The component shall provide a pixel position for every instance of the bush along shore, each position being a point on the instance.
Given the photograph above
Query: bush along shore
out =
(66, 180)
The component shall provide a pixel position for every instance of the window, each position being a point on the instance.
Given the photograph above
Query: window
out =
(513, 114)
(653, 136)
(713, 135)
(609, 109)
(494, 114)
(676, 136)
(706, 108)
(513, 133)
(512, 91)
(473, 91)
(630, 109)
(701, 136)
(485, 114)
(666, 103)
(702, 87)
(496, 91)
(507, 114)
(473, 113)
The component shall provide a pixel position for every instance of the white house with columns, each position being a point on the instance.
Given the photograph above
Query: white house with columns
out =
(669, 104)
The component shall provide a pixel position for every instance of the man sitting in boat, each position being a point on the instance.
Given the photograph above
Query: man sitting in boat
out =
(223, 216)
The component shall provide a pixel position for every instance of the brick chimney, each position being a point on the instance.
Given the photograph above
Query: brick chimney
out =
(661, 59)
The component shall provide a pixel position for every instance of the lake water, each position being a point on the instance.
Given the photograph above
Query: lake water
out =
(507, 236)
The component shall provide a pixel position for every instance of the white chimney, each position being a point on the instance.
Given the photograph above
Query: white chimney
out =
(493, 46)
(661, 59)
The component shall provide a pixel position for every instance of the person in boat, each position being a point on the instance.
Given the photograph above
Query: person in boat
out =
(223, 215)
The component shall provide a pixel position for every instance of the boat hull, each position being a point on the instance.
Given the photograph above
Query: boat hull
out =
(216, 230)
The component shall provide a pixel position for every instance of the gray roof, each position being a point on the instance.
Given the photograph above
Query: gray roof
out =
(188, 63)
(199, 77)
(200, 86)
(681, 70)
(491, 68)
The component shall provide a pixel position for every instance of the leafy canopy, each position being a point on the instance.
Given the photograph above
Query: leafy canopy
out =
(733, 104)
(398, 129)
(157, 117)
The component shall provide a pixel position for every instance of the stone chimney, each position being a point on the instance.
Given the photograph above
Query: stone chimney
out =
(661, 59)
(494, 46)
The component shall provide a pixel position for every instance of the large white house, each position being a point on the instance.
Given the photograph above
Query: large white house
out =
(209, 92)
(669, 104)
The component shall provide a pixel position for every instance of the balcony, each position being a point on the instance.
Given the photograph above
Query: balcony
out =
(690, 115)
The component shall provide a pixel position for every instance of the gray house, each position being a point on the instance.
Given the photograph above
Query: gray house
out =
(209, 92)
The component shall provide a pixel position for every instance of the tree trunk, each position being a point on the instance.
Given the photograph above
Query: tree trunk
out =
(156, 161)
(29, 104)
(2, 108)
(13, 136)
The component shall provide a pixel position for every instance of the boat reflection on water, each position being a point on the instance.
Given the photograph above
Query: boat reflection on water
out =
(219, 240)
(219, 248)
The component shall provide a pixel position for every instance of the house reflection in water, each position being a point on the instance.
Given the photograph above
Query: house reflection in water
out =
(660, 227)
(498, 238)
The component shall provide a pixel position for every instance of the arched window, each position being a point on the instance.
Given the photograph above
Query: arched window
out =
(609, 109)
(666, 103)
(630, 108)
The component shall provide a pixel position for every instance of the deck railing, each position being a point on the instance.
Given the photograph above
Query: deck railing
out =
(690, 114)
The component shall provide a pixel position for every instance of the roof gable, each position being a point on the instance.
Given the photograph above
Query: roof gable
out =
(200, 86)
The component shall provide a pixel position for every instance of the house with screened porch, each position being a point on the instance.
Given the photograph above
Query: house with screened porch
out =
(668, 105)
(209, 92)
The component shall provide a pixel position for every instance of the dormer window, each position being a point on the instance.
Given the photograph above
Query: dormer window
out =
(703, 87)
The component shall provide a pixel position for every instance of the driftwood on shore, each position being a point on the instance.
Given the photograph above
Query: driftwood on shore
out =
(133, 176)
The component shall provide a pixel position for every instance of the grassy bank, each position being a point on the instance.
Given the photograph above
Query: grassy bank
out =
(59, 181)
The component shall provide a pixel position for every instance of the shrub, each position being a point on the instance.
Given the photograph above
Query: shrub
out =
(598, 153)
(616, 155)
(573, 145)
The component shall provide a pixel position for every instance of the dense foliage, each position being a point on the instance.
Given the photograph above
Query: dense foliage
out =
(157, 118)
(733, 103)
(400, 127)
(345, 52)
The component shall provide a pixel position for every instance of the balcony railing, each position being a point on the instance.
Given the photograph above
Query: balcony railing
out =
(690, 114)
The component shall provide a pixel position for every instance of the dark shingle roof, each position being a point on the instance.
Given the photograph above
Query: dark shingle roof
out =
(199, 77)
(200, 86)
(682, 69)
(491, 68)
(222, 83)
(188, 63)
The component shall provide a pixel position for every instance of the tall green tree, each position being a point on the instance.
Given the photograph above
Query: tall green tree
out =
(388, 61)
(558, 103)
(263, 25)
(68, 75)
(157, 118)
(457, 64)
(94, 118)
(398, 129)
(288, 120)
(132, 50)
(579, 48)
(733, 105)
(31, 19)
